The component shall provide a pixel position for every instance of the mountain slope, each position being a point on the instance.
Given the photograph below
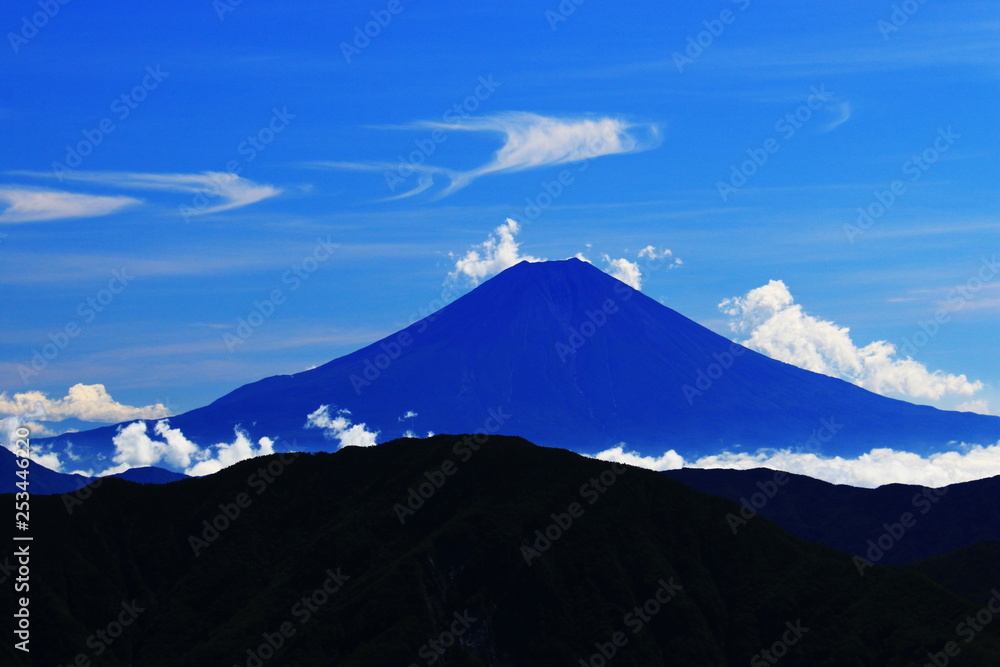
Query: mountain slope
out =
(44, 481)
(847, 517)
(571, 356)
(453, 584)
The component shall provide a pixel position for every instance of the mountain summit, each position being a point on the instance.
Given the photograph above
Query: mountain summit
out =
(565, 355)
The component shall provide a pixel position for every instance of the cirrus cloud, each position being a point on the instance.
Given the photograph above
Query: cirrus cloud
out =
(530, 141)
(38, 204)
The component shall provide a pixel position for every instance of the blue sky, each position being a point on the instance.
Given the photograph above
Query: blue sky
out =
(215, 153)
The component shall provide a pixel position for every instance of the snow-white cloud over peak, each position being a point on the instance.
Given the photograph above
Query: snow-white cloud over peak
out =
(769, 321)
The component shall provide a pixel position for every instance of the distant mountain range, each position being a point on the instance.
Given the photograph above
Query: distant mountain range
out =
(895, 523)
(458, 550)
(565, 355)
(43, 481)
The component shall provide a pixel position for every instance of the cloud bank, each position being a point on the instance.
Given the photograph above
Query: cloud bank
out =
(772, 323)
(876, 468)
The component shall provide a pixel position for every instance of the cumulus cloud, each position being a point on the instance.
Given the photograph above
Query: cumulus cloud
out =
(23, 204)
(771, 322)
(625, 271)
(877, 467)
(530, 141)
(40, 455)
(630, 272)
(498, 252)
(410, 414)
(88, 402)
(232, 190)
(135, 448)
(340, 428)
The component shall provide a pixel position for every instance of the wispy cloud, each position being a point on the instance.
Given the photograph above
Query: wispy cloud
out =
(530, 141)
(844, 111)
(37, 204)
(231, 190)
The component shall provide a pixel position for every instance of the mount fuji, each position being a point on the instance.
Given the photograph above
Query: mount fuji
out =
(565, 355)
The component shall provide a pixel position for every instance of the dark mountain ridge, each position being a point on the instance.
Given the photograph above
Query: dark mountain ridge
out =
(509, 554)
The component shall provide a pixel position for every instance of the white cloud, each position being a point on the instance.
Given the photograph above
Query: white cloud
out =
(341, 428)
(497, 253)
(980, 406)
(530, 141)
(843, 111)
(877, 467)
(36, 204)
(669, 461)
(625, 271)
(777, 326)
(630, 272)
(88, 402)
(234, 191)
(134, 448)
(38, 454)
(410, 414)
